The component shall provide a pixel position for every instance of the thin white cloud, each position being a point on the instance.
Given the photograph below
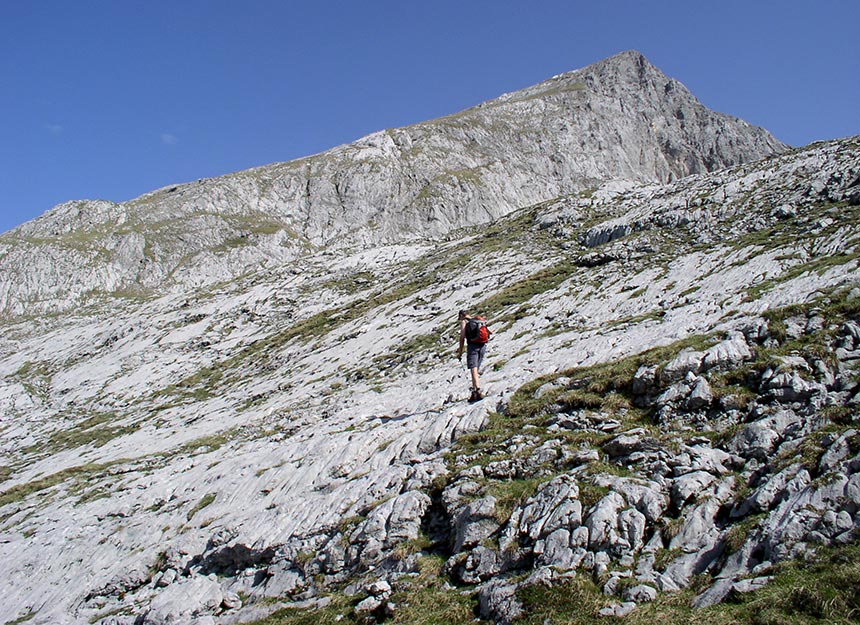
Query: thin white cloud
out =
(169, 139)
(54, 129)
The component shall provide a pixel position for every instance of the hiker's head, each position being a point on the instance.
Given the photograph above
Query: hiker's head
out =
(464, 314)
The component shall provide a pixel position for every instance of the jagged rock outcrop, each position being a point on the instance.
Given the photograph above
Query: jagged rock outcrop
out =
(618, 119)
(675, 502)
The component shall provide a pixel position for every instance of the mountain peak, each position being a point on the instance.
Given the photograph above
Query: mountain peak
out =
(620, 118)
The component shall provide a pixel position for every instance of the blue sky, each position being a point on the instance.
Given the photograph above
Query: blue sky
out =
(111, 99)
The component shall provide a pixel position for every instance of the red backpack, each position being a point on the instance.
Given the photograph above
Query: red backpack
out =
(477, 330)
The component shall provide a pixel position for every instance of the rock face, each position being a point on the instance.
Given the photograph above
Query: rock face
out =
(672, 392)
(618, 119)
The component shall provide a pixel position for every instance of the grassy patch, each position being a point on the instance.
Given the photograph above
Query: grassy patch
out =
(816, 592)
(511, 493)
(206, 500)
(541, 281)
(20, 492)
(579, 598)
(424, 599)
(96, 430)
(738, 533)
(35, 377)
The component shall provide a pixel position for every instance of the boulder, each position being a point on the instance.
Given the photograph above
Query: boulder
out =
(379, 588)
(497, 601)
(772, 491)
(789, 387)
(556, 551)
(575, 458)
(631, 442)
(727, 354)
(644, 495)
(556, 505)
(389, 524)
(698, 530)
(282, 579)
(480, 565)
(184, 598)
(606, 232)
(602, 523)
(475, 522)
(745, 586)
(456, 496)
(838, 451)
(704, 458)
(640, 594)
(368, 605)
(645, 380)
(675, 394)
(618, 610)
(798, 518)
(701, 396)
(631, 527)
(166, 578)
(688, 485)
(687, 361)
(760, 438)
(851, 330)
(231, 601)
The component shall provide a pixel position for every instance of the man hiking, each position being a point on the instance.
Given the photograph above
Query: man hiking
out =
(475, 334)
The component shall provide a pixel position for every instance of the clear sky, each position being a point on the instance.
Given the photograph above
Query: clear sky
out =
(109, 99)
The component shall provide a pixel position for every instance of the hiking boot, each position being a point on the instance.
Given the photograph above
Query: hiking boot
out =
(477, 395)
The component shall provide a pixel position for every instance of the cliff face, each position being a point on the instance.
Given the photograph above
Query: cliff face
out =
(618, 119)
(672, 390)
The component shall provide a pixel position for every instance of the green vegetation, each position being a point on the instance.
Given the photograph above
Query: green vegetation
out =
(739, 533)
(84, 472)
(350, 284)
(818, 591)
(425, 599)
(604, 386)
(206, 500)
(428, 272)
(522, 291)
(511, 493)
(798, 234)
(35, 377)
(95, 430)
(23, 619)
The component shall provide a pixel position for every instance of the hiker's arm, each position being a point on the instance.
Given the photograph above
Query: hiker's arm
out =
(462, 339)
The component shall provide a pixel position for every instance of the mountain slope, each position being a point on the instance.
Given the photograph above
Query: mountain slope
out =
(618, 119)
(287, 432)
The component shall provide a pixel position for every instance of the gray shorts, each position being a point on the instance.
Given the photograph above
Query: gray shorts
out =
(475, 355)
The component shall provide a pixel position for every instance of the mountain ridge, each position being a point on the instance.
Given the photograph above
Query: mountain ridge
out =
(420, 181)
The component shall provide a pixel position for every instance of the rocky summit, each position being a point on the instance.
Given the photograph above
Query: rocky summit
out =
(238, 400)
(619, 119)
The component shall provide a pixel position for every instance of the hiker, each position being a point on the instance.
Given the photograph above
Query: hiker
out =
(475, 334)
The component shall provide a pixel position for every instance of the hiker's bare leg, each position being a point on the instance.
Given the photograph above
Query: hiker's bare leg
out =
(476, 380)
